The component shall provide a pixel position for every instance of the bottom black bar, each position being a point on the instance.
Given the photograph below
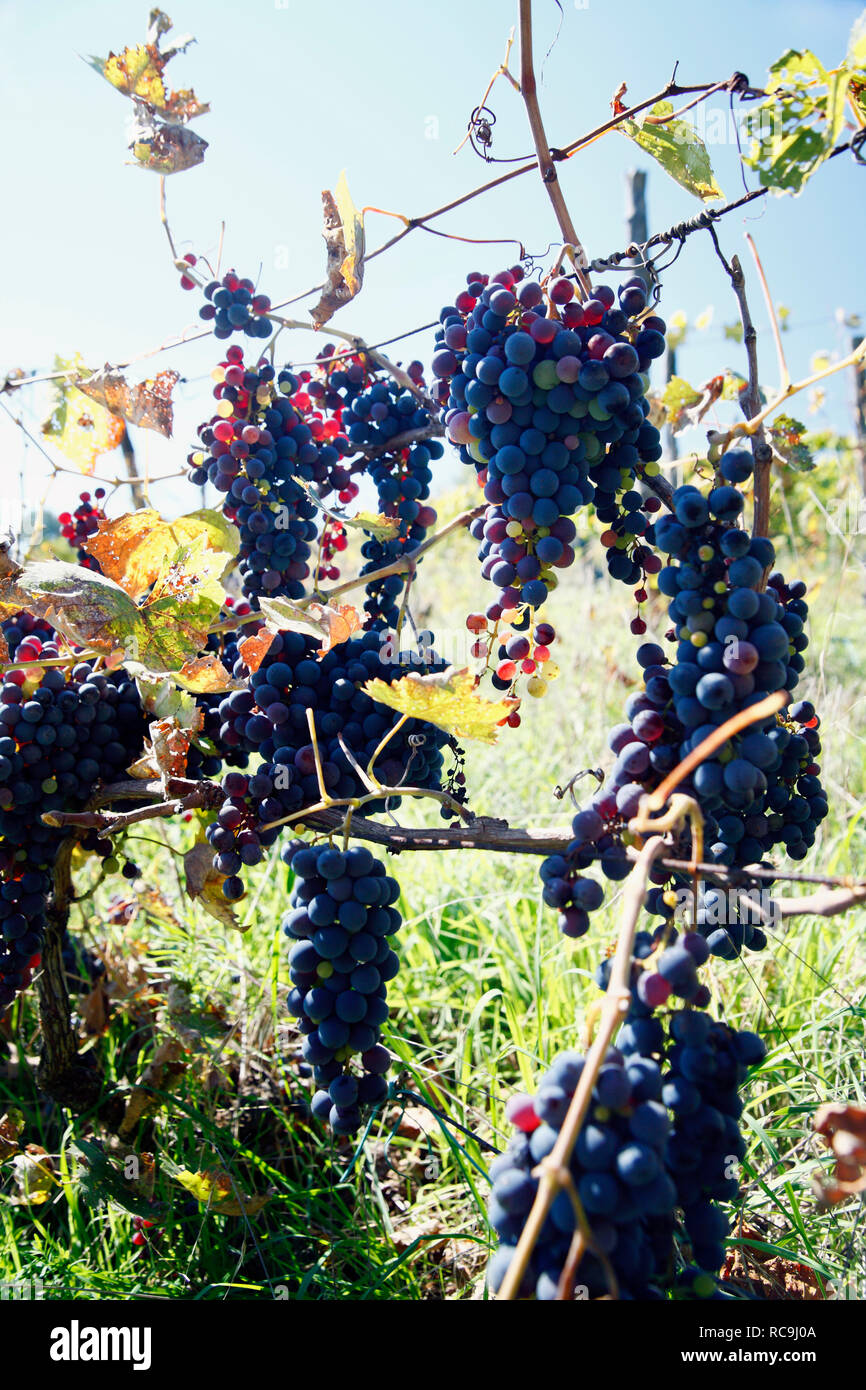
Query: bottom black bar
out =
(151, 1336)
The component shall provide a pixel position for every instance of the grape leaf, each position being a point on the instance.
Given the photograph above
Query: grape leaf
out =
(447, 699)
(204, 885)
(344, 241)
(794, 130)
(678, 327)
(160, 697)
(86, 607)
(34, 1177)
(254, 649)
(384, 528)
(147, 404)
(331, 625)
(676, 399)
(76, 426)
(132, 549)
(787, 438)
(735, 385)
(206, 675)
(91, 610)
(216, 1190)
(11, 1129)
(138, 72)
(678, 148)
(164, 148)
(100, 1182)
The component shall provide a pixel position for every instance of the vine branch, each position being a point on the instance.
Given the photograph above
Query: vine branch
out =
(546, 166)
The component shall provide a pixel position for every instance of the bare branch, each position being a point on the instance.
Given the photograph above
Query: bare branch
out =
(546, 166)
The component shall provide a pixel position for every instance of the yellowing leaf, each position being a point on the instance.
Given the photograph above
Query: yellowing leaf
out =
(820, 362)
(34, 1177)
(384, 528)
(204, 885)
(11, 1129)
(146, 404)
(678, 148)
(206, 675)
(705, 319)
(135, 73)
(132, 549)
(332, 625)
(344, 240)
(254, 649)
(89, 609)
(447, 699)
(678, 396)
(79, 428)
(216, 1190)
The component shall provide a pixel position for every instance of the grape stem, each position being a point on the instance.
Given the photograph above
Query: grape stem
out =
(750, 398)
(613, 1012)
(401, 565)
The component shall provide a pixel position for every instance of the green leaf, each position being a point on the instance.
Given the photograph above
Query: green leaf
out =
(787, 437)
(733, 331)
(100, 1183)
(794, 130)
(679, 149)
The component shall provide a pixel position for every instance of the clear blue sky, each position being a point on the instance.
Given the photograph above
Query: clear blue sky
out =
(299, 91)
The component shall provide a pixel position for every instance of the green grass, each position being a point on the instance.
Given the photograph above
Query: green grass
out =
(488, 991)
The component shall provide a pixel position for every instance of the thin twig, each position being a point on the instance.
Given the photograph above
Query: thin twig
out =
(501, 71)
(613, 1012)
(784, 374)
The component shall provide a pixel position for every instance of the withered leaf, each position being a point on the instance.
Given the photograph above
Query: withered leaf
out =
(146, 404)
(131, 549)
(344, 241)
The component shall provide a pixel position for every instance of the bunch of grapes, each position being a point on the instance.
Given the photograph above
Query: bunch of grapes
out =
(61, 733)
(707, 1062)
(548, 400)
(234, 307)
(658, 1149)
(735, 644)
(341, 922)
(374, 413)
(76, 527)
(259, 445)
(270, 717)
